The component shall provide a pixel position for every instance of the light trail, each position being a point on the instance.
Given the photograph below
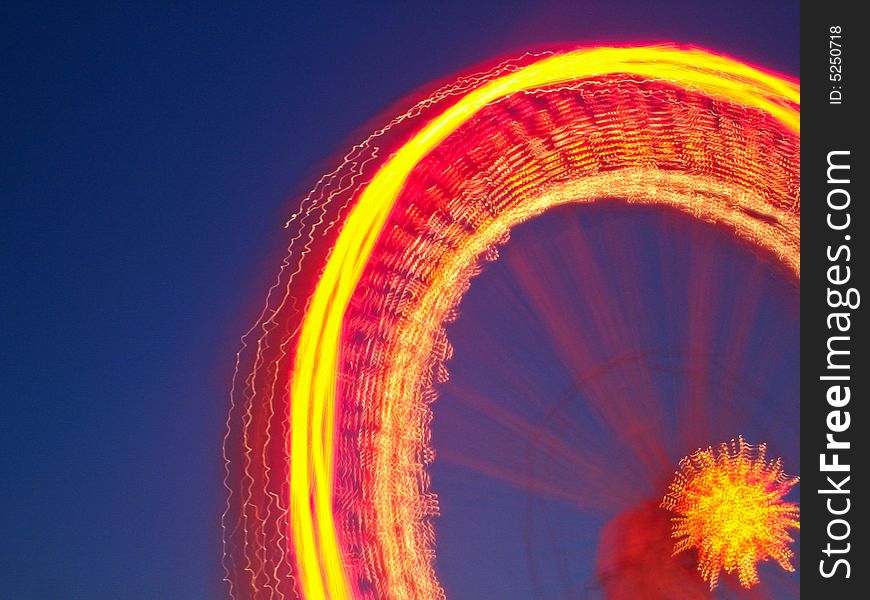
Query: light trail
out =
(332, 469)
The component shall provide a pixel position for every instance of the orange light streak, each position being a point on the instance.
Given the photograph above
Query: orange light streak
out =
(351, 511)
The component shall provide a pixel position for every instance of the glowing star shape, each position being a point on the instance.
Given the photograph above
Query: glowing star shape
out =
(730, 506)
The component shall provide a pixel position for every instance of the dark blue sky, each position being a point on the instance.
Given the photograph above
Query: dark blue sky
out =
(150, 155)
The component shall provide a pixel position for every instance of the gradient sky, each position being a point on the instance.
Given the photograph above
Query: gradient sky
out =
(150, 155)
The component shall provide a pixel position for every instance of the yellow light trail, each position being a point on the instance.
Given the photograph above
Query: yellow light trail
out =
(321, 571)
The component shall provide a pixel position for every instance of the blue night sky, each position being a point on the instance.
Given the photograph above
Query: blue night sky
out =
(150, 155)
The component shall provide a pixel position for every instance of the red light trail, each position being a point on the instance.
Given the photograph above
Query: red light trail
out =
(327, 439)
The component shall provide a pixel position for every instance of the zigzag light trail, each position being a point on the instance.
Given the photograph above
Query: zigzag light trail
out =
(327, 442)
